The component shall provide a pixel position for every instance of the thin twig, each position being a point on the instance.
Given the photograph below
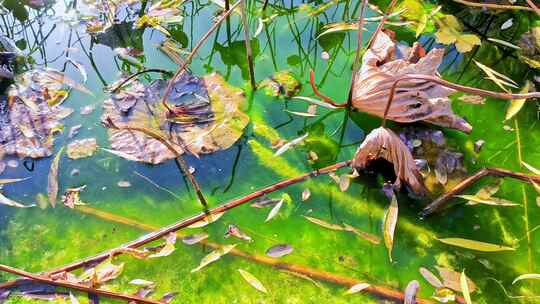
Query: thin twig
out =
(76, 286)
(199, 44)
(249, 53)
(321, 95)
(533, 6)
(454, 86)
(494, 6)
(383, 21)
(146, 178)
(467, 182)
(120, 85)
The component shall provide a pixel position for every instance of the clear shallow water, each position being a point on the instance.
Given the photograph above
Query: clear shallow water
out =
(38, 240)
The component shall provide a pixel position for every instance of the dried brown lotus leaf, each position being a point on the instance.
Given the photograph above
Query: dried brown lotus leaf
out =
(414, 100)
(382, 143)
(209, 118)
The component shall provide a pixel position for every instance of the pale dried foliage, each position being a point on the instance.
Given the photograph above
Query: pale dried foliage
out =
(382, 143)
(414, 100)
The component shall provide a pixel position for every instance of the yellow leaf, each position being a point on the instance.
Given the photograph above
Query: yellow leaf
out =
(389, 225)
(252, 280)
(450, 31)
(475, 245)
(515, 105)
(465, 288)
(465, 43)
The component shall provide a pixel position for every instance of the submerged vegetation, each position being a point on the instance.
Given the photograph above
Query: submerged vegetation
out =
(185, 151)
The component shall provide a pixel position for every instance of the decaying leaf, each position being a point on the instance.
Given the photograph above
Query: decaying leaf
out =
(382, 143)
(142, 282)
(389, 225)
(194, 238)
(515, 105)
(82, 148)
(4, 181)
(452, 279)
(324, 224)
(475, 245)
(290, 144)
(9, 202)
(357, 288)
(410, 292)
(252, 280)
(52, 185)
(213, 256)
(530, 47)
(72, 197)
(279, 250)
(415, 100)
(306, 194)
(366, 236)
(207, 118)
(430, 277)
(493, 201)
(101, 273)
(526, 276)
(281, 83)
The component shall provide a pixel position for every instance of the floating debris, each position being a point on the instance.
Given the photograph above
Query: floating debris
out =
(52, 185)
(213, 256)
(207, 220)
(82, 148)
(290, 144)
(279, 250)
(281, 83)
(306, 194)
(410, 292)
(274, 211)
(123, 184)
(452, 279)
(87, 110)
(72, 197)
(475, 245)
(389, 225)
(431, 278)
(252, 280)
(357, 288)
(264, 202)
(13, 163)
(234, 231)
(194, 238)
(478, 145)
(73, 131)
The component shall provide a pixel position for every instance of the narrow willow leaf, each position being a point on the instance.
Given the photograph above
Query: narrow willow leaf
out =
(517, 104)
(366, 236)
(451, 279)
(79, 67)
(253, 281)
(9, 202)
(207, 220)
(357, 288)
(531, 168)
(492, 75)
(505, 43)
(4, 181)
(141, 282)
(52, 186)
(344, 182)
(410, 292)
(213, 256)
(121, 154)
(274, 211)
(302, 276)
(492, 201)
(315, 102)
(389, 225)
(431, 278)
(465, 287)
(526, 276)
(475, 245)
(303, 114)
(290, 144)
(324, 224)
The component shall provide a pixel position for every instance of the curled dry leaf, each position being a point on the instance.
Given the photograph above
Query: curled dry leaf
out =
(382, 143)
(194, 238)
(207, 118)
(389, 225)
(415, 100)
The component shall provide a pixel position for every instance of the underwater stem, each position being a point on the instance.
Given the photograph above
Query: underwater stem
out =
(249, 52)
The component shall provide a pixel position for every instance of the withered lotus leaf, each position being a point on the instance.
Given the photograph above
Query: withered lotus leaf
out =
(31, 114)
(414, 100)
(382, 143)
(208, 117)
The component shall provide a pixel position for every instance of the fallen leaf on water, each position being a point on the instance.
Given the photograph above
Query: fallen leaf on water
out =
(121, 154)
(4, 181)
(465, 287)
(306, 194)
(233, 230)
(324, 224)
(452, 279)
(194, 238)
(475, 245)
(141, 282)
(473, 99)
(168, 297)
(290, 144)
(389, 225)
(52, 185)
(274, 211)
(303, 276)
(302, 114)
(531, 168)
(499, 79)
(410, 292)
(207, 220)
(9, 202)
(79, 67)
(82, 148)
(167, 248)
(279, 250)
(526, 276)
(213, 256)
(344, 182)
(430, 277)
(72, 197)
(252, 280)
(264, 202)
(367, 236)
(450, 31)
(123, 184)
(493, 201)
(357, 288)
(101, 273)
(516, 104)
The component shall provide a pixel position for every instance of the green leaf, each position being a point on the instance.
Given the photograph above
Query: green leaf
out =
(475, 245)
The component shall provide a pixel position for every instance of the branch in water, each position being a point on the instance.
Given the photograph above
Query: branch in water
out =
(320, 95)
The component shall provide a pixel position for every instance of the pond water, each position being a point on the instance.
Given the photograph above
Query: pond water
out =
(40, 239)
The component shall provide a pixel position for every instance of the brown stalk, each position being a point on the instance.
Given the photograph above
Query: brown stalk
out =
(249, 52)
(199, 44)
(454, 86)
(533, 6)
(120, 85)
(180, 160)
(76, 286)
(437, 204)
(494, 6)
